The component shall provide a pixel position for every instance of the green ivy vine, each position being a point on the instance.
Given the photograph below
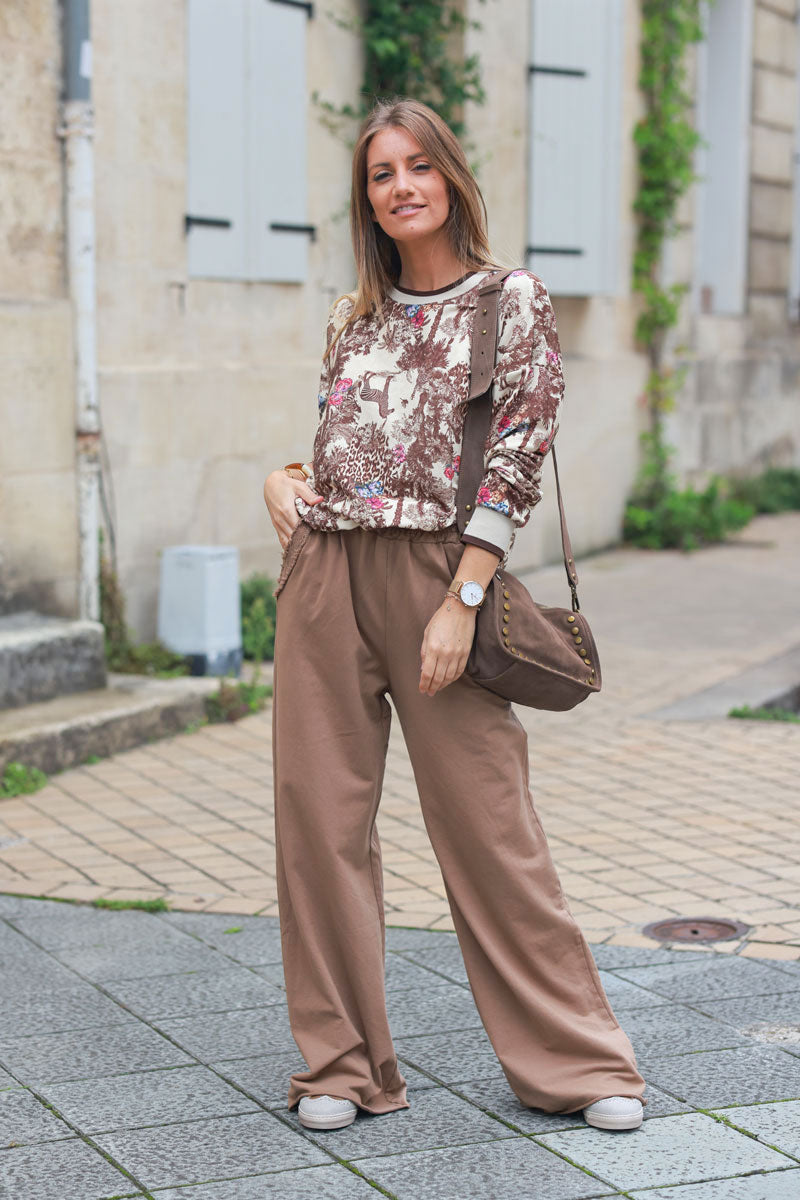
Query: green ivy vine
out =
(409, 50)
(666, 139)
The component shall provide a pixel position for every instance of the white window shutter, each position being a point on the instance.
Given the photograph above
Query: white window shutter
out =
(723, 163)
(574, 155)
(216, 211)
(277, 150)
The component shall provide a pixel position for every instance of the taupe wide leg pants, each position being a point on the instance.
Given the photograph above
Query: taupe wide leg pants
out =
(351, 611)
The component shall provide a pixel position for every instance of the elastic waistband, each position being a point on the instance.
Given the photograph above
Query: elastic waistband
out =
(449, 534)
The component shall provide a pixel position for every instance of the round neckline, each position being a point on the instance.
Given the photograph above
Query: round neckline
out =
(437, 291)
(451, 291)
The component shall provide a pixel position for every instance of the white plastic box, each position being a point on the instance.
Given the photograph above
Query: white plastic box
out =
(199, 607)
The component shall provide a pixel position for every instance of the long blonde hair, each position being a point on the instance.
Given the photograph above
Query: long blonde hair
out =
(376, 257)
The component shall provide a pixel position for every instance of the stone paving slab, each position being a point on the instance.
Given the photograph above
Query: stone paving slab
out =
(81, 1054)
(492, 1171)
(623, 995)
(443, 1009)
(445, 960)
(671, 1150)
(311, 1183)
(76, 927)
(496, 1097)
(437, 1118)
(23, 1120)
(676, 1029)
(145, 1098)
(780, 1185)
(179, 1101)
(138, 960)
(776, 1124)
(451, 1057)
(251, 942)
(758, 1015)
(723, 979)
(240, 1034)
(61, 1171)
(69, 1006)
(755, 1074)
(195, 992)
(202, 1151)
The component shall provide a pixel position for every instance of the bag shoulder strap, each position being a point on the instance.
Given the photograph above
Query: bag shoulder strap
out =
(479, 416)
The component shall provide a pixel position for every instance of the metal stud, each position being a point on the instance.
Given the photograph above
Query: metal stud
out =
(575, 631)
(505, 595)
(570, 619)
(507, 606)
(485, 311)
(582, 651)
(505, 630)
(505, 639)
(578, 641)
(468, 507)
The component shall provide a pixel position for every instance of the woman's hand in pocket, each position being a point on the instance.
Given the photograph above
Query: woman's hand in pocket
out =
(280, 491)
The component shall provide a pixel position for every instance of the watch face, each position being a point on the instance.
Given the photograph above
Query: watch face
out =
(471, 593)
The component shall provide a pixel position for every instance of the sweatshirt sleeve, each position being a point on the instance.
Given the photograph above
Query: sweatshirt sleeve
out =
(337, 316)
(526, 401)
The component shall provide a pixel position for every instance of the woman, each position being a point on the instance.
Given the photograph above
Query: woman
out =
(378, 594)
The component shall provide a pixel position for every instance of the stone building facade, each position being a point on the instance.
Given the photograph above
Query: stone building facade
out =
(209, 346)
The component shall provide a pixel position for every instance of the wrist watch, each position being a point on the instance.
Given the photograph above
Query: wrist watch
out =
(469, 593)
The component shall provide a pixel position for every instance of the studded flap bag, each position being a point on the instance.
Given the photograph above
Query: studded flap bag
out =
(523, 651)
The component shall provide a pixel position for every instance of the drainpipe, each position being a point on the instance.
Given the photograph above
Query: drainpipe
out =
(77, 131)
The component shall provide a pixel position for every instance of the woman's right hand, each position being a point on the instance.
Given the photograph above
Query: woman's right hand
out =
(280, 490)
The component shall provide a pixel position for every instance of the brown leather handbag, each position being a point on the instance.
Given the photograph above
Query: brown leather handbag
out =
(523, 651)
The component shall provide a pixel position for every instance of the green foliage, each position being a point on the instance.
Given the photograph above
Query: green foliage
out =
(19, 780)
(658, 516)
(152, 906)
(235, 700)
(666, 141)
(258, 617)
(776, 490)
(410, 50)
(746, 713)
(122, 654)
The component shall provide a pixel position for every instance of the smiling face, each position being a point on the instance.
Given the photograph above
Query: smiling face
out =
(409, 196)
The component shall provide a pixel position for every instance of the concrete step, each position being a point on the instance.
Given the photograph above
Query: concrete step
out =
(42, 657)
(67, 730)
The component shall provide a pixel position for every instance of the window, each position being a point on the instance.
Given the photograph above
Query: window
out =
(247, 190)
(723, 162)
(574, 154)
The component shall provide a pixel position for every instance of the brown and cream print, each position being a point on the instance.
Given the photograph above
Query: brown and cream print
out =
(392, 401)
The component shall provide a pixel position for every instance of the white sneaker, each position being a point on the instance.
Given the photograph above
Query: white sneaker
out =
(615, 1112)
(326, 1112)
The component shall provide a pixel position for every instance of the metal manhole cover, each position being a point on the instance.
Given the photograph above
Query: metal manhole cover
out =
(695, 929)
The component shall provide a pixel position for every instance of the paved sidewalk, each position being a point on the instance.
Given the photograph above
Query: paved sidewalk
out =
(148, 1055)
(648, 817)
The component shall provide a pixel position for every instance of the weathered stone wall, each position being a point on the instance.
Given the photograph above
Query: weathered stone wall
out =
(740, 408)
(604, 373)
(38, 542)
(205, 386)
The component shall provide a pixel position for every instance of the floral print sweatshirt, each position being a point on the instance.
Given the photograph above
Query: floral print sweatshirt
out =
(392, 400)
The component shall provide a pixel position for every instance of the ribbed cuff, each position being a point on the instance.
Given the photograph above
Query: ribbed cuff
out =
(489, 528)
